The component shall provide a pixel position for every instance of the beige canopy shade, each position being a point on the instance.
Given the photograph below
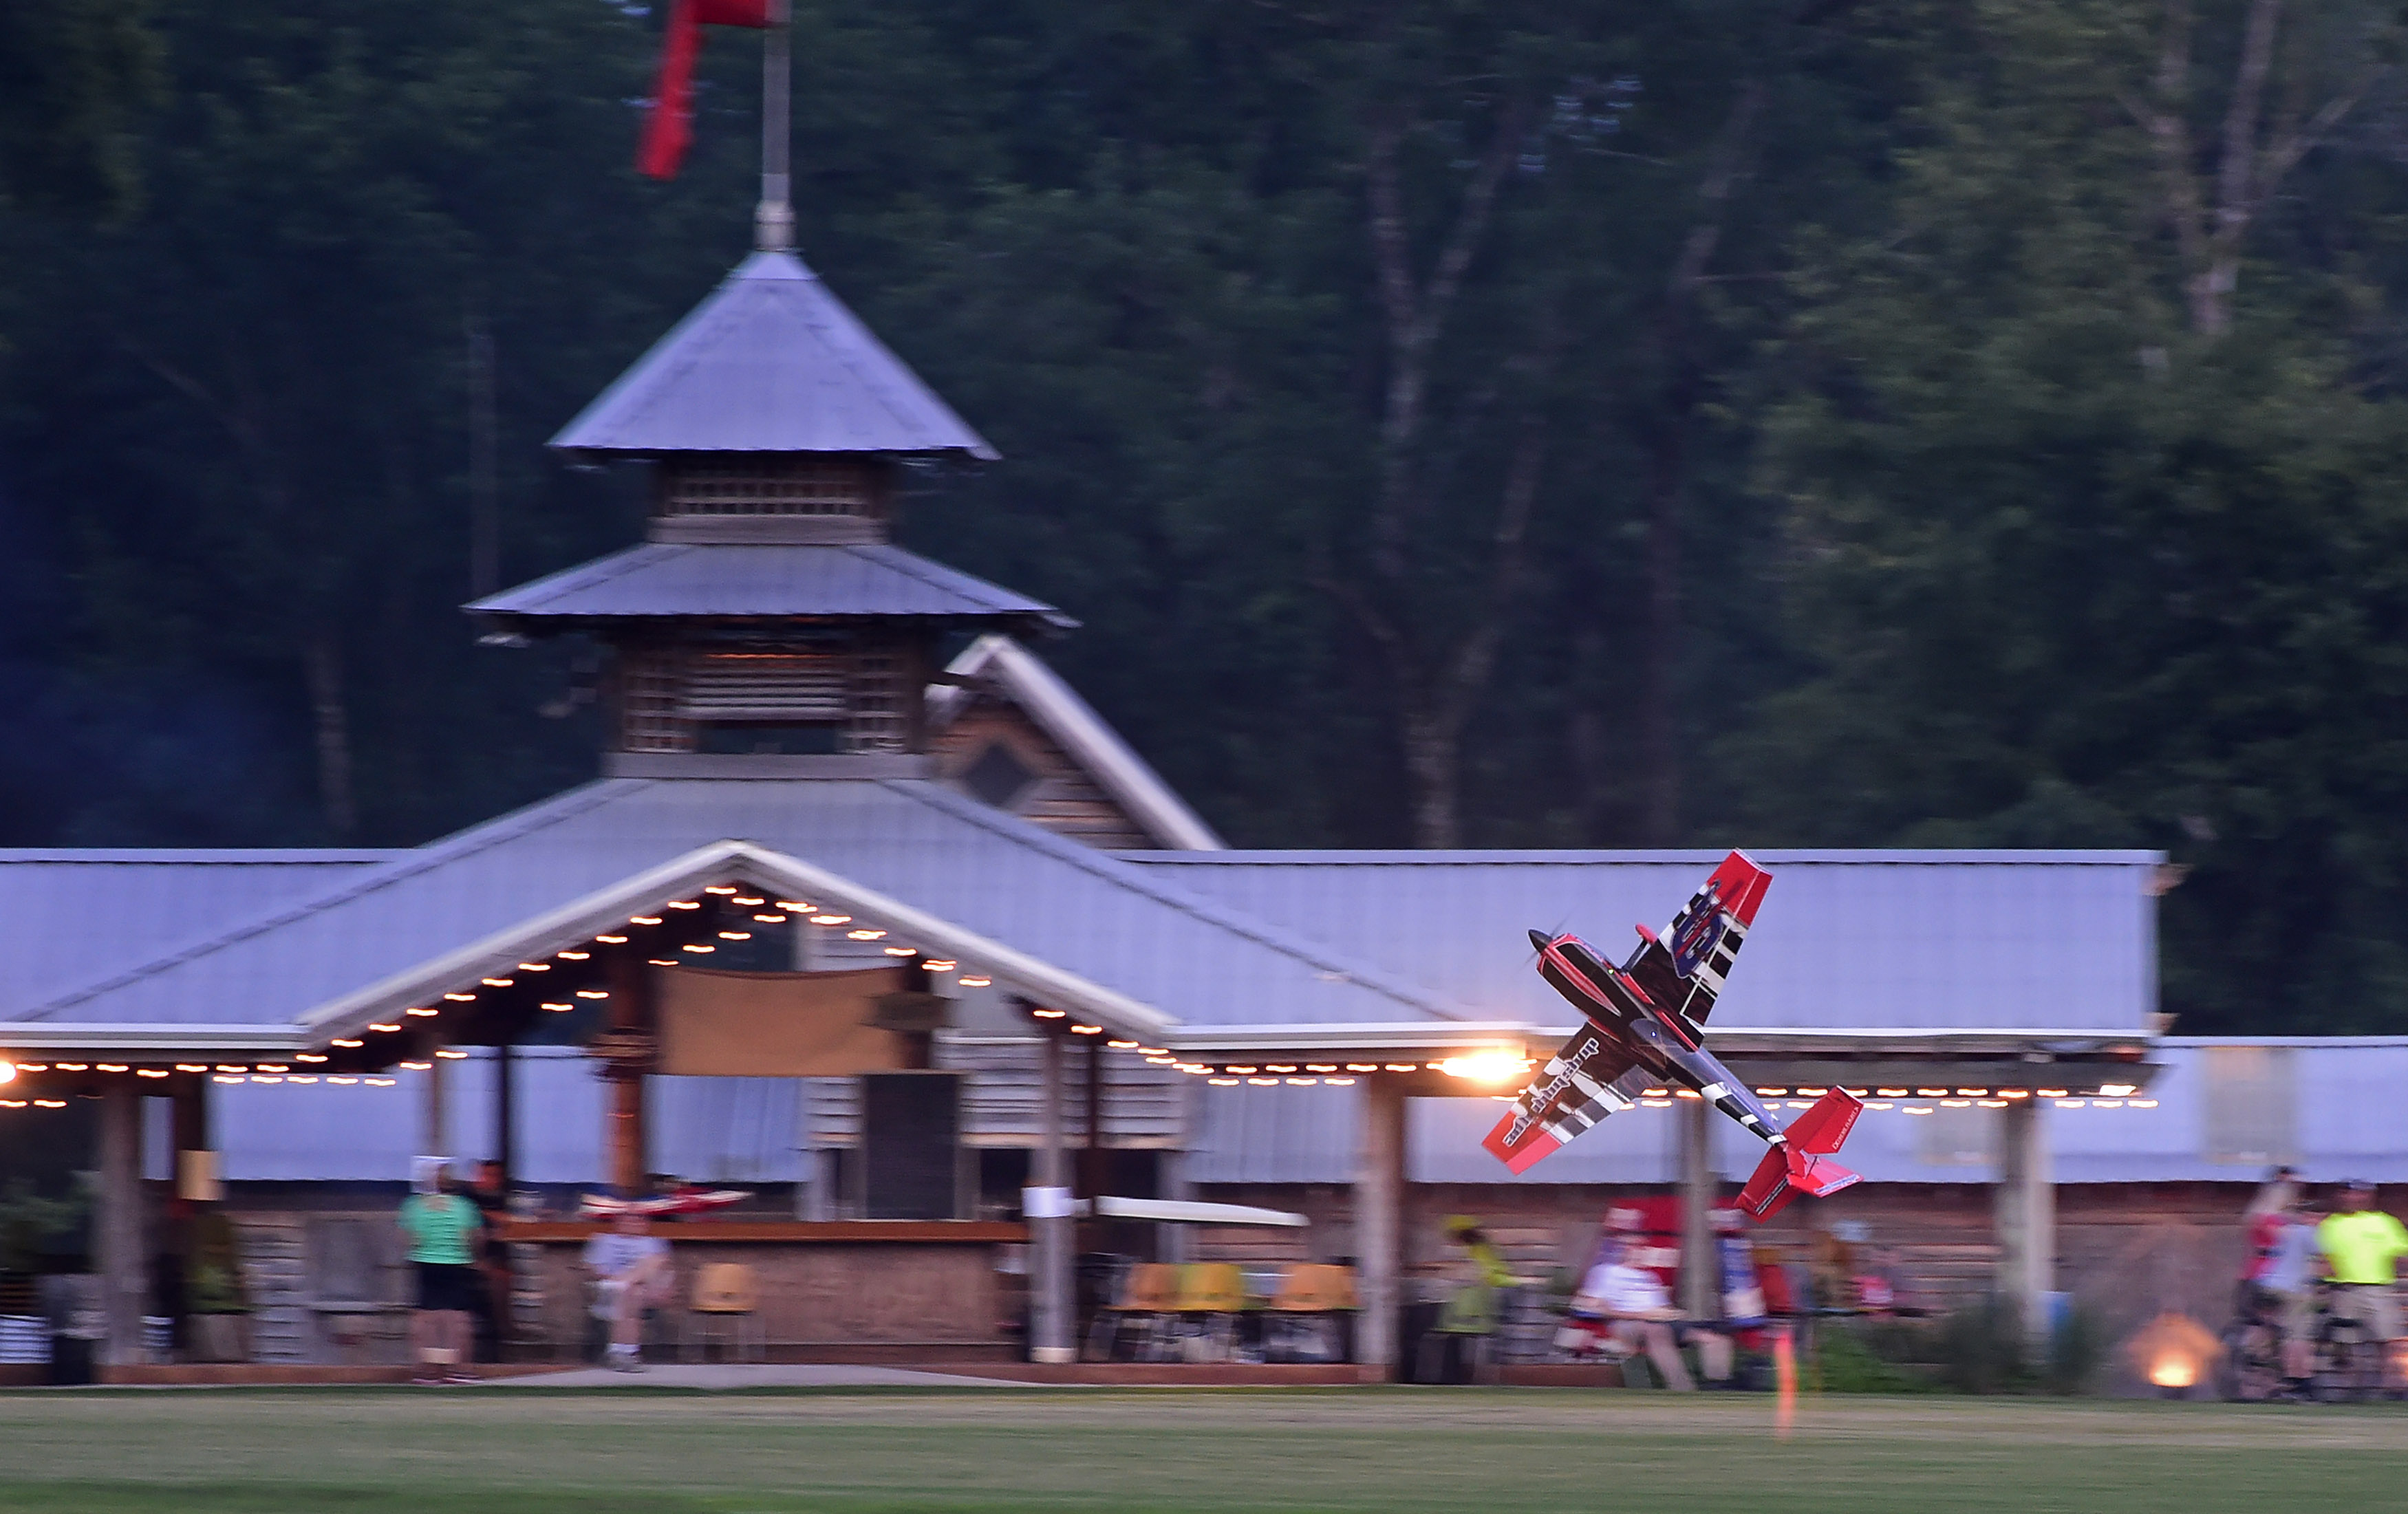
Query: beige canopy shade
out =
(1191, 1211)
(720, 1025)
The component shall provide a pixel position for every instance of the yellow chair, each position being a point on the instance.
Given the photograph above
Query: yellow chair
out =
(726, 1296)
(1305, 1311)
(1212, 1294)
(1149, 1292)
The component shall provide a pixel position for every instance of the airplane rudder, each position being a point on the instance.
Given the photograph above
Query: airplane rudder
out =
(1824, 1129)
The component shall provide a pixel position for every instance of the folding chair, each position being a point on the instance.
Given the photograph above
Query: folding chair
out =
(726, 1296)
(1304, 1313)
(1211, 1296)
(1148, 1295)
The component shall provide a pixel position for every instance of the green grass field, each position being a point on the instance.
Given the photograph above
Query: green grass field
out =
(533, 1451)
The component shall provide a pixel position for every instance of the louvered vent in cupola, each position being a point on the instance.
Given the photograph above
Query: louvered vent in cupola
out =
(767, 701)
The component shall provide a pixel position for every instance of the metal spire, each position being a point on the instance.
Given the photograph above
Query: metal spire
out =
(773, 221)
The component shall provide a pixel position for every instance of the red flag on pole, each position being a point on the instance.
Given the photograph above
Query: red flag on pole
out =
(668, 129)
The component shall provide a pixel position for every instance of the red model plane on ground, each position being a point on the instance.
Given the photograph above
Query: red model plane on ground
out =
(1646, 1030)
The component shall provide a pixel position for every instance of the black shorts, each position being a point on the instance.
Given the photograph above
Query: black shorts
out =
(445, 1286)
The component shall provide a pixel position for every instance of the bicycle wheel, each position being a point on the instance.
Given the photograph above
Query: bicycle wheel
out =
(2344, 1352)
(2252, 1369)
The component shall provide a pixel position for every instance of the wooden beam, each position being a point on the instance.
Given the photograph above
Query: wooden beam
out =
(124, 1282)
(1050, 1302)
(1699, 1188)
(631, 1031)
(2025, 1210)
(506, 1114)
(1379, 1223)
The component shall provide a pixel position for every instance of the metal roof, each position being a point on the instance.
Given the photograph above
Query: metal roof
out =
(1075, 726)
(676, 579)
(64, 907)
(1921, 940)
(950, 860)
(772, 362)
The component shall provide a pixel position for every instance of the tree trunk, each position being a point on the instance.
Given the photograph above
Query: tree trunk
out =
(1659, 708)
(332, 716)
(484, 448)
(1659, 693)
(1433, 753)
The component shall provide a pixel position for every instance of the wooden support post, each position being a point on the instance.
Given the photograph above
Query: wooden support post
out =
(1091, 1155)
(1379, 1226)
(506, 1114)
(1171, 1179)
(628, 1059)
(437, 1140)
(124, 1281)
(1050, 1301)
(1699, 1187)
(190, 1093)
(2026, 1218)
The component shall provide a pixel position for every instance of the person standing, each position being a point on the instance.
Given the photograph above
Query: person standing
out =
(490, 1325)
(630, 1267)
(2363, 1248)
(2278, 1283)
(442, 1227)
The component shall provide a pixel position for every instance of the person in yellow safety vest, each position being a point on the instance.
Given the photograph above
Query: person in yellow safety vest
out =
(1472, 1310)
(2363, 1248)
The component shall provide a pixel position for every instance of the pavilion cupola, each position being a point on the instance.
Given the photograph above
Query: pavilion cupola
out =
(768, 615)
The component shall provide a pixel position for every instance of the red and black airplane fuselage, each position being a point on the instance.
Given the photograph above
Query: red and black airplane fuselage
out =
(1659, 1039)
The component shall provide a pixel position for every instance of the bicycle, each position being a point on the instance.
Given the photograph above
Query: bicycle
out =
(2252, 1364)
(2349, 1358)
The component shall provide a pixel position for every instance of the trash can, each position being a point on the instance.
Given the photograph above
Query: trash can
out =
(70, 1360)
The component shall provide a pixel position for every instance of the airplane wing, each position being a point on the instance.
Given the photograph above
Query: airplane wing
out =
(1579, 1086)
(1683, 968)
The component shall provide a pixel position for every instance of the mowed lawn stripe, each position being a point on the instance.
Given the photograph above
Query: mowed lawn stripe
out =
(1459, 1450)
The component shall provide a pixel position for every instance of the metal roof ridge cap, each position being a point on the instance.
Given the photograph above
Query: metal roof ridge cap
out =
(996, 955)
(816, 315)
(712, 859)
(1104, 865)
(579, 917)
(416, 860)
(646, 884)
(1073, 722)
(860, 338)
(894, 558)
(709, 306)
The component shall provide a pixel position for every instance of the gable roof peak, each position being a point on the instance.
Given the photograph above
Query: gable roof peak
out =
(771, 361)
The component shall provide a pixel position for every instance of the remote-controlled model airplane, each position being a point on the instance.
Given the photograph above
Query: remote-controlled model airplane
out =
(1645, 1030)
(684, 1201)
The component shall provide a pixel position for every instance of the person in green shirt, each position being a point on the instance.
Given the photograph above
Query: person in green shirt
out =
(441, 1228)
(2363, 1248)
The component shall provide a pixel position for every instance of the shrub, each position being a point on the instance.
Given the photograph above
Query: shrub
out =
(1981, 1349)
(1847, 1362)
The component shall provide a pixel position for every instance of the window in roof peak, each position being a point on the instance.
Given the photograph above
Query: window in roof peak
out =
(999, 777)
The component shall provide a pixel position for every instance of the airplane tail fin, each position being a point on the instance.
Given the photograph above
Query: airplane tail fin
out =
(1802, 1164)
(1824, 1129)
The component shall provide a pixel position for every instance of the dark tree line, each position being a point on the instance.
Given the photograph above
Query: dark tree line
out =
(1473, 425)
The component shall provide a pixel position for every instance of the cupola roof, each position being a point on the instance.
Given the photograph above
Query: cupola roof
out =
(772, 362)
